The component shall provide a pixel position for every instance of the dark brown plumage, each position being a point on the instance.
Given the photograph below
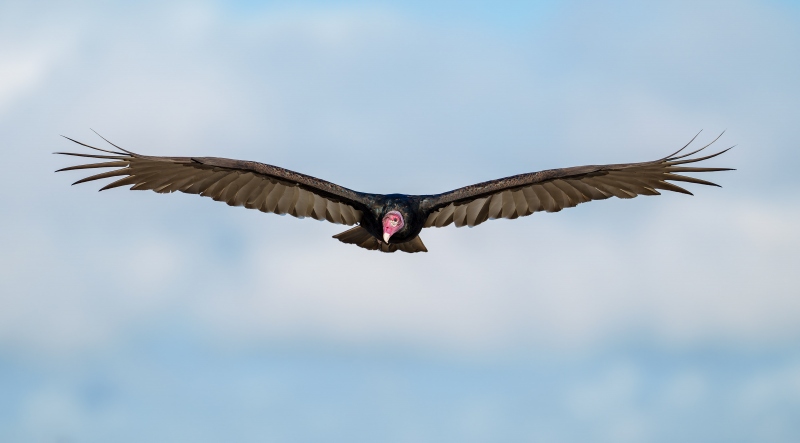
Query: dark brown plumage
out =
(272, 189)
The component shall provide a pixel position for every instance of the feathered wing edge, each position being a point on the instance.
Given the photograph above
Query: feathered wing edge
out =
(555, 189)
(238, 183)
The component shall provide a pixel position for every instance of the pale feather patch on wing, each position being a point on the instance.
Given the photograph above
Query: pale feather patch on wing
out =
(460, 215)
(509, 208)
(477, 212)
(333, 213)
(320, 208)
(288, 200)
(304, 205)
(534, 204)
(442, 217)
(271, 203)
(520, 203)
(547, 201)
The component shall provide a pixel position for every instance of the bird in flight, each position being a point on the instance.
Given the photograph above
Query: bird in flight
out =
(390, 222)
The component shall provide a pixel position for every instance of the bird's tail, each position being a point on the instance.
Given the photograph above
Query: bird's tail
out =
(360, 237)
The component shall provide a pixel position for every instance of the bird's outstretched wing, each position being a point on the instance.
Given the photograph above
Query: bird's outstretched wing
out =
(555, 189)
(238, 183)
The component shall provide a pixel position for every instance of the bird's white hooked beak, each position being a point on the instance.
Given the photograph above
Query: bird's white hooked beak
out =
(392, 222)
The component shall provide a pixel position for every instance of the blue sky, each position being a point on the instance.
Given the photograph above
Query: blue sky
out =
(132, 316)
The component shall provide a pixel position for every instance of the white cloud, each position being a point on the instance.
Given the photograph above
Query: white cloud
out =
(553, 281)
(21, 73)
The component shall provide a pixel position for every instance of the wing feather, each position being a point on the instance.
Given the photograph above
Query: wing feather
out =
(107, 174)
(206, 179)
(534, 203)
(446, 217)
(333, 213)
(238, 183)
(575, 196)
(95, 165)
(509, 205)
(561, 200)
(287, 200)
(348, 216)
(228, 193)
(215, 189)
(320, 208)
(460, 215)
(590, 192)
(495, 206)
(548, 203)
(520, 203)
(304, 205)
(258, 201)
(477, 212)
(248, 191)
(274, 197)
(179, 180)
(121, 182)
(556, 189)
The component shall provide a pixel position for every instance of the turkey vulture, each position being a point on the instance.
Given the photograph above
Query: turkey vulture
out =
(392, 222)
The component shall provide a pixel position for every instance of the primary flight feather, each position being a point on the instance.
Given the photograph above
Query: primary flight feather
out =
(392, 222)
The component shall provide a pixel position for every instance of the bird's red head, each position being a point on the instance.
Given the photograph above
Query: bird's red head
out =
(392, 222)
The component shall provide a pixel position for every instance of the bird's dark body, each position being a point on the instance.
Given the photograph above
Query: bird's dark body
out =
(407, 205)
(276, 190)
